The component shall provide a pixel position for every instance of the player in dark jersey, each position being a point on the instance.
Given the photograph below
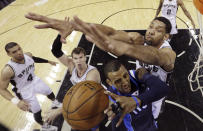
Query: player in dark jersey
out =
(135, 91)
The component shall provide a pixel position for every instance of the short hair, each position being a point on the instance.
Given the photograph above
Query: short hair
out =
(10, 45)
(78, 50)
(166, 22)
(111, 66)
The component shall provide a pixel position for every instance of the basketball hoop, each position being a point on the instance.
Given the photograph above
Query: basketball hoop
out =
(195, 78)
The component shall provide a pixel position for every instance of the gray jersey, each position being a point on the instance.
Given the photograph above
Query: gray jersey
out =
(23, 73)
(74, 77)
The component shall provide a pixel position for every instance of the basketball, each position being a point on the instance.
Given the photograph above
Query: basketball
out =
(199, 5)
(84, 105)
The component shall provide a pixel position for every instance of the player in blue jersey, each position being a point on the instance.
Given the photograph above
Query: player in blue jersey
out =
(134, 91)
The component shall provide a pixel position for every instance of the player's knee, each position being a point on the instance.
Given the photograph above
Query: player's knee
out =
(38, 117)
(51, 96)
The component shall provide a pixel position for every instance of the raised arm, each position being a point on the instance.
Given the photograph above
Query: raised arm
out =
(63, 26)
(6, 75)
(180, 2)
(58, 53)
(159, 8)
(164, 58)
(147, 54)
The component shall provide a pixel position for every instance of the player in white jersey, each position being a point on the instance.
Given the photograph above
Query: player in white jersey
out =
(77, 67)
(120, 42)
(169, 9)
(161, 74)
(19, 71)
(158, 53)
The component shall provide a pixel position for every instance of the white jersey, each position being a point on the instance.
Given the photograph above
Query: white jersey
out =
(154, 69)
(74, 77)
(23, 73)
(159, 72)
(169, 10)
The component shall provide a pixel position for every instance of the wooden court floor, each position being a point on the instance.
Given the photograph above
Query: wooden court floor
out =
(124, 15)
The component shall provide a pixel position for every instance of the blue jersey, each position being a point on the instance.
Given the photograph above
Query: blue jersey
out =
(141, 119)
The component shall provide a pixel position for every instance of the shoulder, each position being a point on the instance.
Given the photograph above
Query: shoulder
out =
(93, 75)
(7, 72)
(29, 54)
(93, 71)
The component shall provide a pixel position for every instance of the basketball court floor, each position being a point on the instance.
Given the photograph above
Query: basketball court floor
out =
(184, 107)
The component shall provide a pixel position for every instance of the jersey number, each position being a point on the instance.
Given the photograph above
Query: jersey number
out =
(168, 11)
(30, 78)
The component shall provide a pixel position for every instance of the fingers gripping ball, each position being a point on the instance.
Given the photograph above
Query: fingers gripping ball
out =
(84, 105)
(199, 5)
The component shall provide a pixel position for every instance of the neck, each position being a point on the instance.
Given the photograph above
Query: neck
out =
(18, 61)
(81, 70)
(159, 45)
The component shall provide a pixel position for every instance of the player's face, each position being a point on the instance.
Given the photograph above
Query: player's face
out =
(120, 80)
(156, 33)
(16, 53)
(79, 59)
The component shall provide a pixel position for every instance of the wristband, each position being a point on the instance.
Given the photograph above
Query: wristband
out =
(15, 100)
(136, 101)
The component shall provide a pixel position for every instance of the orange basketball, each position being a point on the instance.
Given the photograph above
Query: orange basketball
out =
(199, 5)
(84, 105)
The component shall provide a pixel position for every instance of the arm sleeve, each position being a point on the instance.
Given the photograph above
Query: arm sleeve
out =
(157, 89)
(39, 60)
(56, 47)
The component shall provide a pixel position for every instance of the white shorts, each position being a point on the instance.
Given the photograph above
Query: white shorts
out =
(28, 93)
(156, 107)
(174, 29)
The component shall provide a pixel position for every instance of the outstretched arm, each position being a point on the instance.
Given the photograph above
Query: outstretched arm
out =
(63, 26)
(147, 54)
(40, 60)
(52, 114)
(164, 58)
(180, 2)
(58, 53)
(159, 8)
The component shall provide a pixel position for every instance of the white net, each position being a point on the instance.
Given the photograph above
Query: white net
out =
(195, 78)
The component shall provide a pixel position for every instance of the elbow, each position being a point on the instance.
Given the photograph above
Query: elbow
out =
(158, 59)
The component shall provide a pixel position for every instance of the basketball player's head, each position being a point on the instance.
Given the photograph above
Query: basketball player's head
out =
(14, 51)
(117, 75)
(158, 31)
(79, 56)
